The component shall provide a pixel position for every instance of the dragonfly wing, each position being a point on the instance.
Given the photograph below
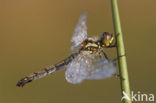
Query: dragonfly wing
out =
(75, 72)
(80, 32)
(104, 69)
(88, 67)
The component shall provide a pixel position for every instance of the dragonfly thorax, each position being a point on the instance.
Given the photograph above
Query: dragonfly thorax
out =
(92, 45)
(89, 46)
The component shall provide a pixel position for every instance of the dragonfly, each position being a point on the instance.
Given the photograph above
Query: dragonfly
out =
(88, 59)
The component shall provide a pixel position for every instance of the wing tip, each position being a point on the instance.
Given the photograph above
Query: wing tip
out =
(85, 12)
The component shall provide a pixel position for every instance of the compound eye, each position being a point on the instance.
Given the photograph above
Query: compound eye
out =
(107, 35)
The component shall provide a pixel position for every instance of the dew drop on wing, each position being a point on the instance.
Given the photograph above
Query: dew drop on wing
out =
(88, 67)
(105, 69)
(74, 72)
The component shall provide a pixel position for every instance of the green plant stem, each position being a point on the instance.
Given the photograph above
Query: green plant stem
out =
(120, 52)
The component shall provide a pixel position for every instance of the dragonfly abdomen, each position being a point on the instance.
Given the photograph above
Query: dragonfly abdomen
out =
(48, 70)
(35, 75)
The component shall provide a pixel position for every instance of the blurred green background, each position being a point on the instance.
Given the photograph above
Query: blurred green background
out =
(37, 33)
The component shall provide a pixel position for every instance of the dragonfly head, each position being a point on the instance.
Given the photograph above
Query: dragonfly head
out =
(107, 39)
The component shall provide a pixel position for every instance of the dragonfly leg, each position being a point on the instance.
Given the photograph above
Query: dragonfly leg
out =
(118, 57)
(118, 76)
(112, 46)
(105, 55)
